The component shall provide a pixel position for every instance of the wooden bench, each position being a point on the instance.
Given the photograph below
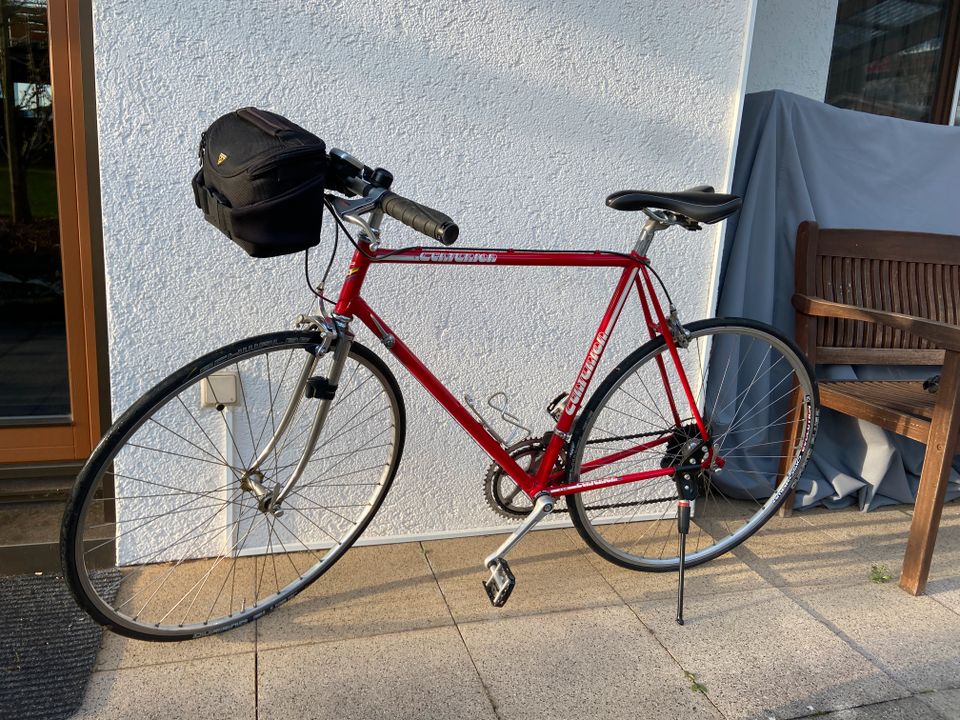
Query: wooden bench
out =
(869, 297)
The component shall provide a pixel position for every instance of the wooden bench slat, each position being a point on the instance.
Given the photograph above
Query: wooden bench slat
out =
(895, 410)
(877, 356)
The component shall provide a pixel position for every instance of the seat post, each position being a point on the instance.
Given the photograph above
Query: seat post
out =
(650, 228)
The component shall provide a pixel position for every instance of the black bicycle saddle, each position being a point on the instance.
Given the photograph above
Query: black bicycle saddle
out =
(700, 203)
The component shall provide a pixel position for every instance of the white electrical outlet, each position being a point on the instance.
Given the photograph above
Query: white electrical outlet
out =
(219, 389)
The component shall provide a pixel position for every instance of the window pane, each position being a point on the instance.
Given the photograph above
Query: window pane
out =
(886, 56)
(33, 348)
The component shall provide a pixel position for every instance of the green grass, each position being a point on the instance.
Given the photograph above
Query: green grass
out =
(41, 190)
(695, 685)
(879, 573)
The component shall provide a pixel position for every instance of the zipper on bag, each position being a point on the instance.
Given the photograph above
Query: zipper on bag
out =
(268, 165)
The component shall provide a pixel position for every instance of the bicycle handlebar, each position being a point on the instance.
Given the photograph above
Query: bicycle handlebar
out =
(421, 218)
(432, 223)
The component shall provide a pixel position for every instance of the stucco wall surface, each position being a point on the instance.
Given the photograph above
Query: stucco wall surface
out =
(791, 47)
(517, 119)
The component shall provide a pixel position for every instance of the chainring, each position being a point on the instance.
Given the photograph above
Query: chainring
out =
(502, 494)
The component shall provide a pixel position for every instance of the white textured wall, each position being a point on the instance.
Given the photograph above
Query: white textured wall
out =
(516, 118)
(792, 40)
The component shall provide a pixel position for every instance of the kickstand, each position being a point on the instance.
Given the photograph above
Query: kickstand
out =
(683, 527)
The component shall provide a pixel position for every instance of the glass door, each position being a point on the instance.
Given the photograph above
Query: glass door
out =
(47, 382)
(34, 382)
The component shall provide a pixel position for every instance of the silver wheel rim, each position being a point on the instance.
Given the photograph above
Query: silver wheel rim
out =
(263, 563)
(723, 536)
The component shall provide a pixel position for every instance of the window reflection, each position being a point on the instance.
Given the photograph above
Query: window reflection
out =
(886, 56)
(33, 352)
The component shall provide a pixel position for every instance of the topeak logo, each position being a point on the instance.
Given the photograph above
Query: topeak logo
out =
(593, 357)
(457, 257)
(221, 158)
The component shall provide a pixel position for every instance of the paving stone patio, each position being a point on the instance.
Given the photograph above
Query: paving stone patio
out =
(790, 625)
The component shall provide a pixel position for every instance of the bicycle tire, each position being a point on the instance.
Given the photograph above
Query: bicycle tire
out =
(716, 528)
(102, 479)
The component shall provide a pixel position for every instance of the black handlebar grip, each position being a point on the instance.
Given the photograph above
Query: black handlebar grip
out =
(428, 221)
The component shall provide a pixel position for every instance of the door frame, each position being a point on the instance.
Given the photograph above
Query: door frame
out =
(946, 93)
(78, 199)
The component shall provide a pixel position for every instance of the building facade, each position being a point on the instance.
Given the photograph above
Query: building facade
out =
(515, 119)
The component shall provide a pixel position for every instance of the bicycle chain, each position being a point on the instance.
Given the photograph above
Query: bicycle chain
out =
(502, 503)
(625, 437)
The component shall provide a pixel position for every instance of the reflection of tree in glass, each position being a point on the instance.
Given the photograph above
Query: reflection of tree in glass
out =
(25, 87)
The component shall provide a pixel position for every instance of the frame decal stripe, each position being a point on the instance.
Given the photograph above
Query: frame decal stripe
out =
(499, 256)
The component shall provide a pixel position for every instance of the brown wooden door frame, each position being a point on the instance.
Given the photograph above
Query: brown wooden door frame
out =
(949, 64)
(70, 37)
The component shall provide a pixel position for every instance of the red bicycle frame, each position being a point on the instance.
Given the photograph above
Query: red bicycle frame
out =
(634, 274)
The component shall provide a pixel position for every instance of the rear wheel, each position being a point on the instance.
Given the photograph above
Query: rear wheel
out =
(169, 506)
(752, 385)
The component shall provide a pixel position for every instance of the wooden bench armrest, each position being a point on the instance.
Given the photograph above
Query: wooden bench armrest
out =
(940, 334)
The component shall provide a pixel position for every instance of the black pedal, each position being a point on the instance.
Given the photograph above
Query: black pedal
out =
(500, 584)
(319, 388)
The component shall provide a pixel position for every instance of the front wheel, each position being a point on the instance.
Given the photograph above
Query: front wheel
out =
(759, 404)
(169, 533)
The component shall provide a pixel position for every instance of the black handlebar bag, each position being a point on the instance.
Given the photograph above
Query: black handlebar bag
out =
(261, 182)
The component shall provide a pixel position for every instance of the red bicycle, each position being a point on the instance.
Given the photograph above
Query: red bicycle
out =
(245, 475)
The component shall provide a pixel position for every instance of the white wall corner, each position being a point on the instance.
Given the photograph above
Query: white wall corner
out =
(748, 39)
(792, 43)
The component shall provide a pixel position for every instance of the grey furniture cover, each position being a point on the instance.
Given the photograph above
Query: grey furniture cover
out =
(797, 160)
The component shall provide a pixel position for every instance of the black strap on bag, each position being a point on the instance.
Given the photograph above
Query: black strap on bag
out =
(218, 212)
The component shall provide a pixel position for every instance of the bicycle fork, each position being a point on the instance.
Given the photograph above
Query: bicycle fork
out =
(323, 390)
